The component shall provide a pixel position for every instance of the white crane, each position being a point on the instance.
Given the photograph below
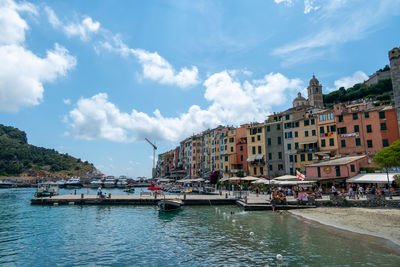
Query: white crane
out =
(154, 157)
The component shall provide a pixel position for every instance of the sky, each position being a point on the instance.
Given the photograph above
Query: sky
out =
(94, 78)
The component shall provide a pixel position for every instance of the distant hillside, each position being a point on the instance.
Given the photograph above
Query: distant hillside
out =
(17, 157)
(381, 91)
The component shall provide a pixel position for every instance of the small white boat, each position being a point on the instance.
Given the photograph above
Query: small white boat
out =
(122, 182)
(110, 182)
(96, 183)
(169, 204)
(6, 184)
(47, 190)
(74, 182)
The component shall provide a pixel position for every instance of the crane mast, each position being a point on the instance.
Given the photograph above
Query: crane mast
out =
(154, 157)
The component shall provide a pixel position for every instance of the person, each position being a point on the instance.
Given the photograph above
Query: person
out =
(257, 191)
(361, 191)
(273, 200)
(99, 191)
(334, 190)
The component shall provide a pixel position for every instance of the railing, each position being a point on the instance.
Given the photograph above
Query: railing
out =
(315, 149)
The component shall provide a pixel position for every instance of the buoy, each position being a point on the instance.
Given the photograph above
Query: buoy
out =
(251, 233)
(279, 257)
(233, 220)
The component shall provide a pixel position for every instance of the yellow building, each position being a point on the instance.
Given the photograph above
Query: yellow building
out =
(229, 148)
(256, 149)
(327, 135)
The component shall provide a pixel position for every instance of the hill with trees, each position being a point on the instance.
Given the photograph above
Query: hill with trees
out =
(382, 91)
(17, 157)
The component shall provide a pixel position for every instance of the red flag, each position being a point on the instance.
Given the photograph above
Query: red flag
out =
(300, 175)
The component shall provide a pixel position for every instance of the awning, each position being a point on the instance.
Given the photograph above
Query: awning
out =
(294, 182)
(259, 156)
(260, 181)
(251, 158)
(372, 178)
(308, 142)
(249, 178)
(286, 178)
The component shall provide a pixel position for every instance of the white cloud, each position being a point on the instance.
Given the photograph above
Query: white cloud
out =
(231, 102)
(288, 2)
(154, 66)
(332, 28)
(83, 29)
(349, 81)
(52, 17)
(67, 101)
(22, 73)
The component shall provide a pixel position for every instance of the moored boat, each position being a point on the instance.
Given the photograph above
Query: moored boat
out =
(122, 182)
(6, 184)
(110, 182)
(169, 204)
(47, 190)
(74, 182)
(96, 183)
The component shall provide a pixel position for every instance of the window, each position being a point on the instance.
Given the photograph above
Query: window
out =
(255, 170)
(306, 133)
(287, 117)
(313, 132)
(342, 130)
(241, 148)
(289, 134)
(319, 171)
(369, 128)
(231, 148)
(331, 142)
(306, 122)
(312, 121)
(352, 168)
(369, 143)
(385, 142)
(261, 170)
(289, 146)
(226, 158)
(259, 130)
(323, 143)
(309, 156)
(366, 114)
(340, 117)
(295, 158)
(254, 150)
(258, 137)
(280, 167)
(296, 134)
(259, 149)
(268, 128)
(382, 115)
(252, 139)
(279, 155)
(241, 157)
(355, 116)
(269, 156)
(290, 158)
(278, 126)
(303, 157)
(291, 171)
(279, 140)
(356, 128)
(330, 116)
(337, 171)
(358, 142)
(321, 129)
(343, 143)
(269, 141)
(296, 145)
(322, 117)
(270, 167)
(226, 148)
(231, 140)
(383, 126)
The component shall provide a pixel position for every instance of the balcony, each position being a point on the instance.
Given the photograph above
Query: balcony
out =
(307, 150)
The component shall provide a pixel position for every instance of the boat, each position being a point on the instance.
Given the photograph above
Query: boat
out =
(47, 190)
(110, 182)
(6, 184)
(169, 205)
(96, 183)
(74, 182)
(122, 182)
(130, 189)
(61, 183)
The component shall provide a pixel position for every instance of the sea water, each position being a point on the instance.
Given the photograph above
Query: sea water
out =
(195, 236)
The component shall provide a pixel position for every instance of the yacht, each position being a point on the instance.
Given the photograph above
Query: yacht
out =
(110, 182)
(74, 182)
(96, 182)
(122, 182)
(6, 184)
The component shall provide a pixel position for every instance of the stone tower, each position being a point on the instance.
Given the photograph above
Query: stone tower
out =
(394, 57)
(315, 93)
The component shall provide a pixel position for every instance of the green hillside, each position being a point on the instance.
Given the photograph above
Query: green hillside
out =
(17, 157)
(382, 91)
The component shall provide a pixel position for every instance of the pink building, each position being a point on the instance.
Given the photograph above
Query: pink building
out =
(336, 171)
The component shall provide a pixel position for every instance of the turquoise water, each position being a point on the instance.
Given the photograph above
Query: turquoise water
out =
(194, 236)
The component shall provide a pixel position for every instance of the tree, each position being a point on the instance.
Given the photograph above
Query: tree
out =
(388, 158)
(214, 177)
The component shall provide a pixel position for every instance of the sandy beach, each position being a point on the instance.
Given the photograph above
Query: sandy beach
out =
(384, 223)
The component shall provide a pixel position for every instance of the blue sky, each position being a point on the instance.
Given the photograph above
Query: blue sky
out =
(94, 78)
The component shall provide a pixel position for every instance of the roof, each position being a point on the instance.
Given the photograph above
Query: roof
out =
(372, 178)
(334, 162)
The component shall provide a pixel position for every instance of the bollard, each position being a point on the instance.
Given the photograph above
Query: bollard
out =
(220, 192)
(226, 195)
(81, 196)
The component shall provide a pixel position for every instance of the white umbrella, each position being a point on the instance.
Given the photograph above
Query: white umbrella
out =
(249, 178)
(260, 181)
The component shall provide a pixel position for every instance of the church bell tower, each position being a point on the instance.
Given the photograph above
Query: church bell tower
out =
(315, 98)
